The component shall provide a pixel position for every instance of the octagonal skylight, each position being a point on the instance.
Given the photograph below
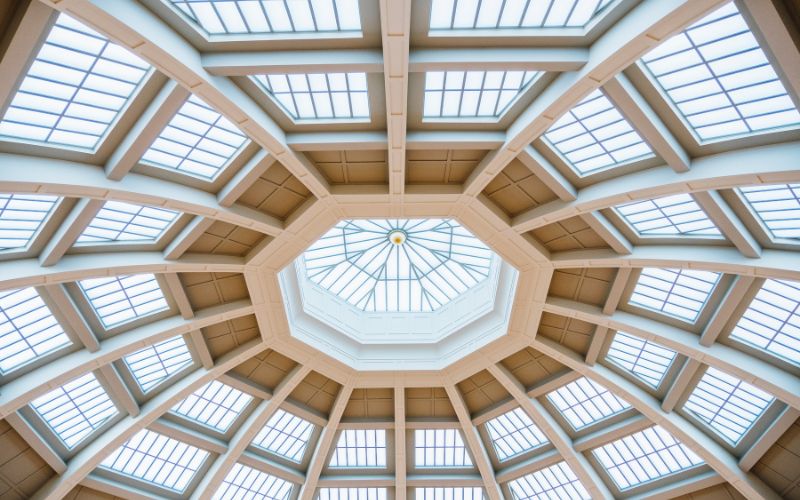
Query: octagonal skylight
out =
(400, 265)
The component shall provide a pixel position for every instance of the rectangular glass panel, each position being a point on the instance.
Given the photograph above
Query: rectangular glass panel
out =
(246, 482)
(583, 402)
(511, 14)
(352, 494)
(556, 481)
(21, 217)
(215, 404)
(154, 364)
(440, 448)
(121, 299)
(124, 222)
(360, 448)
(777, 206)
(448, 493)
(286, 435)
(645, 360)
(473, 94)
(514, 433)
(680, 293)
(676, 215)
(319, 96)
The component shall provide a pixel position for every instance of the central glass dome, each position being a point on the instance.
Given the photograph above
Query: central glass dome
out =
(398, 265)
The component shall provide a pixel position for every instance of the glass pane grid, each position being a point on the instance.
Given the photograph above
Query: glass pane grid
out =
(286, 435)
(513, 14)
(777, 206)
(28, 329)
(681, 293)
(352, 494)
(128, 223)
(772, 321)
(728, 405)
(246, 482)
(583, 402)
(448, 493)
(645, 456)
(514, 433)
(157, 459)
(121, 299)
(594, 136)
(197, 141)
(216, 405)
(398, 265)
(556, 481)
(75, 409)
(319, 96)
(76, 87)
(645, 360)
(229, 17)
(720, 80)
(440, 448)
(473, 94)
(360, 448)
(154, 364)
(21, 217)
(677, 215)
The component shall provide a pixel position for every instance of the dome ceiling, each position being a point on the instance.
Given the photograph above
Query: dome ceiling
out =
(355, 249)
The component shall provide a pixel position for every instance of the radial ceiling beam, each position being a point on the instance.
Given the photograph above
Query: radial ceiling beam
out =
(293, 61)
(69, 230)
(728, 223)
(244, 178)
(66, 312)
(500, 59)
(547, 173)
(646, 25)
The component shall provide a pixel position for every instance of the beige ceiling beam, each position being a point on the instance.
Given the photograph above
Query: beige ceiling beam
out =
(244, 178)
(178, 294)
(498, 58)
(186, 237)
(20, 391)
(768, 438)
(644, 27)
(728, 223)
(69, 230)
(547, 173)
(400, 458)
(66, 313)
(726, 311)
(116, 488)
(36, 442)
(608, 232)
(119, 392)
(87, 459)
(609, 306)
(293, 61)
(681, 384)
(768, 377)
(263, 464)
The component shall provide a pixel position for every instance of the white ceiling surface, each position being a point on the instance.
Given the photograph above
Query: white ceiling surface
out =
(395, 42)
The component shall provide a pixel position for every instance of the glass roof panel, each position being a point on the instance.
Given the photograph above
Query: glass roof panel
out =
(198, 141)
(728, 405)
(76, 87)
(514, 433)
(75, 409)
(21, 217)
(645, 456)
(583, 402)
(448, 493)
(352, 494)
(643, 359)
(772, 321)
(511, 14)
(28, 329)
(676, 215)
(594, 136)
(777, 206)
(154, 364)
(360, 448)
(229, 17)
(246, 482)
(680, 293)
(405, 265)
(319, 96)
(215, 404)
(720, 80)
(124, 222)
(157, 459)
(556, 481)
(286, 435)
(465, 95)
(121, 299)
(435, 448)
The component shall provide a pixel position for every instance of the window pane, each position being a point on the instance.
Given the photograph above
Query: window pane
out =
(677, 215)
(556, 481)
(473, 94)
(246, 482)
(215, 404)
(128, 223)
(154, 364)
(645, 360)
(21, 217)
(680, 293)
(777, 206)
(286, 435)
(584, 402)
(360, 448)
(122, 299)
(327, 96)
(510, 14)
(440, 448)
(513, 433)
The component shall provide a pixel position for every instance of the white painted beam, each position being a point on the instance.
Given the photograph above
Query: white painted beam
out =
(680, 384)
(608, 232)
(726, 309)
(547, 173)
(497, 58)
(293, 61)
(728, 223)
(178, 294)
(69, 230)
(186, 238)
(768, 438)
(36, 442)
(62, 306)
(244, 178)
(119, 391)
(400, 458)
(201, 348)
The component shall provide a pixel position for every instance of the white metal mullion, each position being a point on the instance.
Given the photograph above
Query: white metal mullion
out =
(728, 223)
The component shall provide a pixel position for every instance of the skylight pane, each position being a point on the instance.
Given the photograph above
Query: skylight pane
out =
(728, 405)
(514, 433)
(583, 402)
(352, 494)
(594, 136)
(286, 435)
(448, 493)
(216, 405)
(319, 96)
(75, 409)
(197, 141)
(440, 448)
(127, 223)
(154, 364)
(21, 217)
(75, 89)
(237, 17)
(777, 206)
(513, 14)
(772, 321)
(403, 265)
(360, 448)
(473, 94)
(720, 80)
(246, 482)
(681, 293)
(28, 329)
(676, 215)
(645, 456)
(157, 459)
(643, 359)
(121, 299)
(556, 481)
